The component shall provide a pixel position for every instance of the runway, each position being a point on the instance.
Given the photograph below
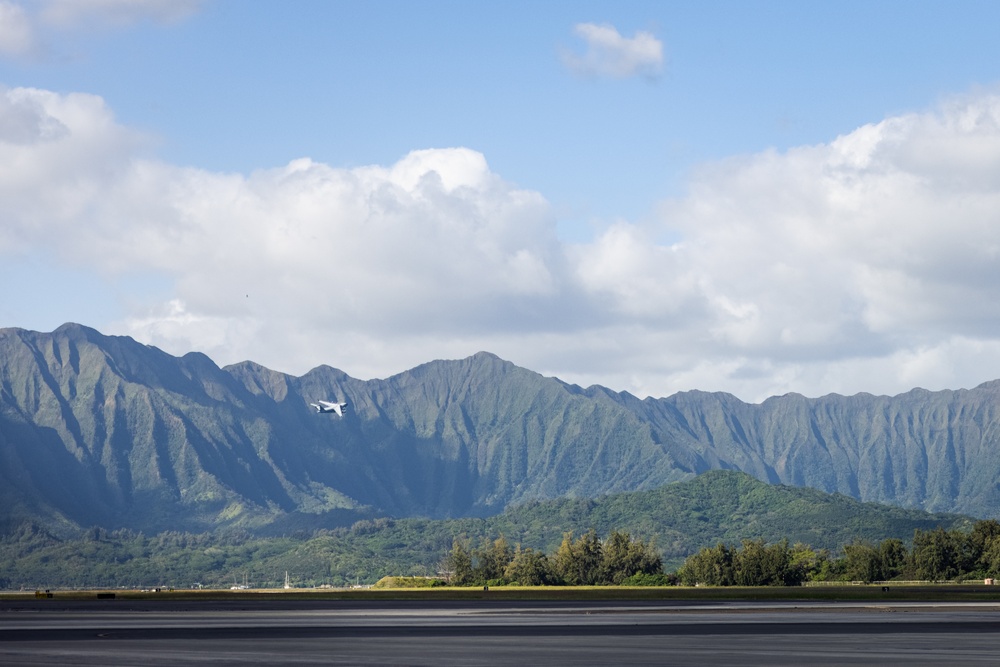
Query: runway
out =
(276, 632)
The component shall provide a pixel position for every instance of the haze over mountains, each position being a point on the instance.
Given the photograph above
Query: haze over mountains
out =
(104, 431)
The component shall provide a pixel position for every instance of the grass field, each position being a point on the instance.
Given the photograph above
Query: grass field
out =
(860, 593)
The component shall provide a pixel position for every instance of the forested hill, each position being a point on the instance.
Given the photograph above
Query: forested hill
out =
(719, 506)
(99, 430)
(678, 519)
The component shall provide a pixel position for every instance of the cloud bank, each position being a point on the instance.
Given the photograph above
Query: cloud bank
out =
(609, 55)
(870, 263)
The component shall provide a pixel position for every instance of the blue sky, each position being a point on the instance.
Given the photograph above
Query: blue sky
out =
(755, 197)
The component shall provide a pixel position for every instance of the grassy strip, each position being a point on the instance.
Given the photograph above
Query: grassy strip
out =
(907, 593)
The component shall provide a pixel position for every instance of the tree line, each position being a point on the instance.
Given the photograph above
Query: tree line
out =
(31, 557)
(584, 561)
(936, 555)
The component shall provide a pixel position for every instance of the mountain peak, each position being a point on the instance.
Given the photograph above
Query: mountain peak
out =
(71, 327)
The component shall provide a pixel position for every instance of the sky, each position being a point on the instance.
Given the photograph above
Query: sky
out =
(753, 197)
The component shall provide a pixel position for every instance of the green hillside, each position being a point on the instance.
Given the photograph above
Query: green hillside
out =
(717, 506)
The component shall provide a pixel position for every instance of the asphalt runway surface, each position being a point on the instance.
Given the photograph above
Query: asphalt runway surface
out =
(328, 632)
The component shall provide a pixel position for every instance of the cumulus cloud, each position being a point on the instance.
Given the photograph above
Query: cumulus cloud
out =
(73, 13)
(609, 54)
(869, 263)
(434, 243)
(17, 35)
(26, 28)
(837, 267)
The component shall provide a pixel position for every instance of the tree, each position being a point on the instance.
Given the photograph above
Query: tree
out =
(578, 562)
(459, 563)
(759, 564)
(623, 557)
(990, 559)
(935, 554)
(978, 543)
(529, 568)
(863, 562)
(493, 559)
(811, 565)
(711, 566)
(894, 556)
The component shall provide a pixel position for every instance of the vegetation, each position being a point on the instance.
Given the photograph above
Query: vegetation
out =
(676, 521)
(585, 561)
(409, 582)
(936, 555)
(717, 506)
(32, 559)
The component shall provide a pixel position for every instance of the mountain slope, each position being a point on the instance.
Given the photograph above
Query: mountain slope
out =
(105, 431)
(101, 430)
(933, 450)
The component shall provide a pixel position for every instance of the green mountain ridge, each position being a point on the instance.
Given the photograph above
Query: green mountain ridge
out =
(728, 506)
(103, 431)
(717, 506)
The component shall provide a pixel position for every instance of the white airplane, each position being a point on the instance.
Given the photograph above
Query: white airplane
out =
(327, 406)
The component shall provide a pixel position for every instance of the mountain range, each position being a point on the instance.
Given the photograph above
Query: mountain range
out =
(104, 431)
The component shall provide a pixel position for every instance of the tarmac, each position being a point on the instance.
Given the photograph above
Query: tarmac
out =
(331, 632)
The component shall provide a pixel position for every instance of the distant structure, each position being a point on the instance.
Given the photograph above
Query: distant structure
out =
(240, 587)
(288, 584)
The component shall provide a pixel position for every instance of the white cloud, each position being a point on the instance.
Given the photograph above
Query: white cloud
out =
(858, 265)
(882, 245)
(30, 29)
(23, 120)
(434, 243)
(74, 13)
(609, 54)
(17, 35)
